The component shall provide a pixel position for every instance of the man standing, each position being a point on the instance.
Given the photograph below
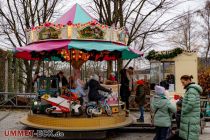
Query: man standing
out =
(62, 81)
(126, 86)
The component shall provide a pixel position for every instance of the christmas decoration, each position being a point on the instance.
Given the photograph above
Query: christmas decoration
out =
(153, 55)
(91, 32)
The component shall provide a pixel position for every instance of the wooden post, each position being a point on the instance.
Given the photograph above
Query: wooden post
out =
(85, 73)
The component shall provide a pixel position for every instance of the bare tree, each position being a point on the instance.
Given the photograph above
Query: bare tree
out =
(205, 24)
(185, 33)
(142, 18)
(19, 15)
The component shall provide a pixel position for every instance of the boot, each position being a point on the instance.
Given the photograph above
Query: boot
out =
(127, 113)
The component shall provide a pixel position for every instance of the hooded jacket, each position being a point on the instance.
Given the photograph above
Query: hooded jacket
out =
(94, 87)
(163, 110)
(140, 98)
(190, 115)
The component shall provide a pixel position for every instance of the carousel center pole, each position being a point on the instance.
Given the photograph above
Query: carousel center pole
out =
(118, 88)
(85, 73)
(43, 67)
(70, 84)
(118, 101)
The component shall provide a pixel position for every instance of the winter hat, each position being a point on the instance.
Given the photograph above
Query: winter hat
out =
(113, 74)
(140, 82)
(95, 77)
(179, 103)
(159, 90)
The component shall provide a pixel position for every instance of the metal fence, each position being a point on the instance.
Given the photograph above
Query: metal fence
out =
(19, 100)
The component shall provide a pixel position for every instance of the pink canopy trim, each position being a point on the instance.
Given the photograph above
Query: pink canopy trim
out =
(136, 51)
(44, 46)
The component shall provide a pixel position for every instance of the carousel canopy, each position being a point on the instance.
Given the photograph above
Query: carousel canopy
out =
(44, 46)
(75, 15)
(52, 48)
(76, 30)
(103, 46)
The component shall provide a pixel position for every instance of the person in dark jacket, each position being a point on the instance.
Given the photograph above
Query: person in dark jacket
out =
(177, 116)
(178, 113)
(126, 86)
(94, 87)
(62, 81)
(140, 99)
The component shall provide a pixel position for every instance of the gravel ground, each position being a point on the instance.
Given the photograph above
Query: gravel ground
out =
(9, 120)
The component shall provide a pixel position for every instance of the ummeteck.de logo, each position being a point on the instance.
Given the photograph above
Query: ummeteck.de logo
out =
(31, 133)
(19, 133)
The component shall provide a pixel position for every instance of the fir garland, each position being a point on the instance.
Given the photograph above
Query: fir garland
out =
(153, 55)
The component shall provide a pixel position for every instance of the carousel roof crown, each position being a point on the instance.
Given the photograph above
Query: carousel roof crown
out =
(75, 15)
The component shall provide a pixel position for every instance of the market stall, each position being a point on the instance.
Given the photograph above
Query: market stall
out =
(169, 66)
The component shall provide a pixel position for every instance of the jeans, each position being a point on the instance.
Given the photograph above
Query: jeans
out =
(141, 109)
(161, 133)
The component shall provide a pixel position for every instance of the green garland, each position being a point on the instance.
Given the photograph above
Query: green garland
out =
(153, 55)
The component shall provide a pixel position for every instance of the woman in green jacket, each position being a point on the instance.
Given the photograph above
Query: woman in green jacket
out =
(190, 116)
(162, 109)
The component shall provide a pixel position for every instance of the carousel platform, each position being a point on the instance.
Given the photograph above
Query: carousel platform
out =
(103, 122)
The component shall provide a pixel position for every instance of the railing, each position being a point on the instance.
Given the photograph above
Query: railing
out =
(19, 100)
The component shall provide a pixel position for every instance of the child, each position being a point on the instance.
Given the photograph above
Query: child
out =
(80, 91)
(162, 109)
(140, 99)
(177, 116)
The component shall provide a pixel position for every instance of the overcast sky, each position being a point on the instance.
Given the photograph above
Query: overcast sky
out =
(191, 5)
(159, 41)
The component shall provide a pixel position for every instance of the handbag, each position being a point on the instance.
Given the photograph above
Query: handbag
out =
(154, 115)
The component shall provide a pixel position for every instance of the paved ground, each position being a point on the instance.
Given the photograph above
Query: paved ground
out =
(9, 120)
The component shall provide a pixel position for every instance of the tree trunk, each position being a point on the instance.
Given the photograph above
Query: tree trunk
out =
(20, 76)
(6, 78)
(207, 54)
(38, 66)
(120, 61)
(2, 74)
(119, 67)
(29, 68)
(10, 76)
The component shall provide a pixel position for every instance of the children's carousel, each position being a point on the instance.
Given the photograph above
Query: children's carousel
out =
(75, 38)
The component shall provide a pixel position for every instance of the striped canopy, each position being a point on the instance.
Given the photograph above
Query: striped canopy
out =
(75, 15)
(49, 50)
